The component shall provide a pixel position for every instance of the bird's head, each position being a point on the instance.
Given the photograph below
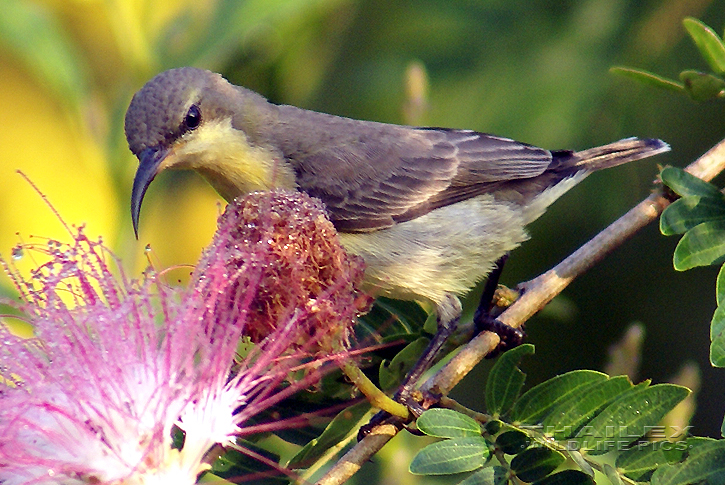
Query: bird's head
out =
(160, 114)
(195, 119)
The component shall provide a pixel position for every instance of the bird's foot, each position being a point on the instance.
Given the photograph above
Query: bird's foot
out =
(494, 300)
(510, 336)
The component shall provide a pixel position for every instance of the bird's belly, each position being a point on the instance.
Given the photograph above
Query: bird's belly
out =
(445, 251)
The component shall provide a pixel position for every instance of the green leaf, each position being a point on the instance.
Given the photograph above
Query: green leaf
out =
(581, 462)
(505, 380)
(567, 477)
(431, 323)
(710, 44)
(717, 325)
(702, 86)
(717, 337)
(648, 78)
(209, 477)
(338, 429)
(451, 456)
(446, 423)
(687, 212)
(492, 427)
(703, 245)
(391, 373)
(720, 285)
(234, 463)
(491, 475)
(639, 462)
(230, 21)
(692, 444)
(629, 417)
(513, 442)
(536, 462)
(392, 319)
(612, 474)
(683, 183)
(538, 401)
(705, 463)
(568, 416)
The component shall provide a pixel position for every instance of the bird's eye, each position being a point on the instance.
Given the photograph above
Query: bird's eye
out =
(193, 117)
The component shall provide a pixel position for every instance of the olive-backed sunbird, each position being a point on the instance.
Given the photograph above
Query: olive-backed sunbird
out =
(430, 210)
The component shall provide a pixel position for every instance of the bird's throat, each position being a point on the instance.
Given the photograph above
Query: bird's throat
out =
(233, 166)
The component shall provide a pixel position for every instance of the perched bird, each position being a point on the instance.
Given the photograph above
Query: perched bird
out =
(430, 210)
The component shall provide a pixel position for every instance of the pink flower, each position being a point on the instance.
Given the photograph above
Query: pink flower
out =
(118, 368)
(284, 243)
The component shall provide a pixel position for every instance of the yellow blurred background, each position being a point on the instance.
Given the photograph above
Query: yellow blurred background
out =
(66, 80)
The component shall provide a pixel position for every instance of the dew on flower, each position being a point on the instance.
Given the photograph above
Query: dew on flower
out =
(285, 241)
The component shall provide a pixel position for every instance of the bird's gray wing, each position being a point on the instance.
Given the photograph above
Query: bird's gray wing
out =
(374, 175)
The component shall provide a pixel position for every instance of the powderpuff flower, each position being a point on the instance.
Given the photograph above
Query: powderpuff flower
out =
(133, 382)
(94, 396)
(285, 242)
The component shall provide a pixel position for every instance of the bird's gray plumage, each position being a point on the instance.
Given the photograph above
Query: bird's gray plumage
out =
(373, 175)
(448, 202)
(369, 175)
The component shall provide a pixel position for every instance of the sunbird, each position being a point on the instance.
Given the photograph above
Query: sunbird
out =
(430, 210)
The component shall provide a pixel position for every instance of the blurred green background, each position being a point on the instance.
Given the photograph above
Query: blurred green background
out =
(535, 70)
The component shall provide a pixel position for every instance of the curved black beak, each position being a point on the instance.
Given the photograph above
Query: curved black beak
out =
(149, 161)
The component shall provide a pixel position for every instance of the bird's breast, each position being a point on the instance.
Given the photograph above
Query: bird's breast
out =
(445, 251)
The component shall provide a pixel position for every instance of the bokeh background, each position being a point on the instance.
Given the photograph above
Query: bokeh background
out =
(534, 70)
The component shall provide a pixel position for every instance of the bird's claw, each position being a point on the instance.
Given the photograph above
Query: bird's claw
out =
(510, 336)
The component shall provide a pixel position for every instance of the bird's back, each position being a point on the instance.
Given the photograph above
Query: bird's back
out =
(375, 175)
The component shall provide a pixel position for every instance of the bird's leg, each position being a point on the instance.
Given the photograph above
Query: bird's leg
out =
(448, 314)
(484, 321)
(489, 290)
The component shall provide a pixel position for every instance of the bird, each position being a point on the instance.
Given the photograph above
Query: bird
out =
(429, 210)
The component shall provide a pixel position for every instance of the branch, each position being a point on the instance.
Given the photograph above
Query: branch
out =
(537, 293)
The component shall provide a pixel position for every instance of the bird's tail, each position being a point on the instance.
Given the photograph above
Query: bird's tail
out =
(619, 152)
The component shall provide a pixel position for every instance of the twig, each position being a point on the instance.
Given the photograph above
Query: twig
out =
(538, 292)
(351, 462)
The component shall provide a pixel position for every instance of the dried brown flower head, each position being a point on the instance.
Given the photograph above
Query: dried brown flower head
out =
(283, 242)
